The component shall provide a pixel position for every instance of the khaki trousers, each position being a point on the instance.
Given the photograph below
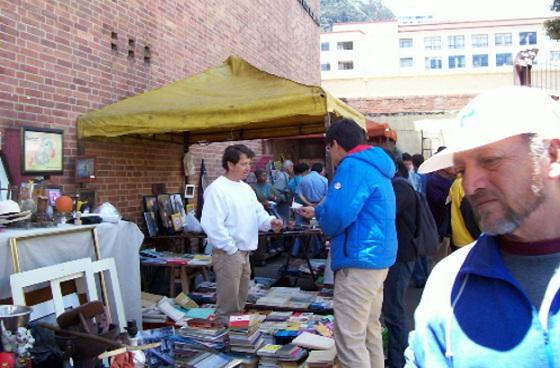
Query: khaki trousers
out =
(233, 274)
(358, 296)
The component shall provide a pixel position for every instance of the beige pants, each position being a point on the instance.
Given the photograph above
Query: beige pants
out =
(358, 295)
(233, 274)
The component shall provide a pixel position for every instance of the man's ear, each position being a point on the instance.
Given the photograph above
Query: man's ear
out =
(554, 155)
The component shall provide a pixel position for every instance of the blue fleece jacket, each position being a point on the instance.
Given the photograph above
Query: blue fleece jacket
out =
(473, 313)
(358, 212)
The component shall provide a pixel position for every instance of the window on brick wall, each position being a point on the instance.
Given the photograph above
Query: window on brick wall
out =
(325, 46)
(407, 62)
(456, 42)
(503, 39)
(433, 62)
(527, 38)
(456, 62)
(480, 61)
(325, 67)
(479, 40)
(345, 45)
(432, 43)
(504, 59)
(405, 43)
(345, 65)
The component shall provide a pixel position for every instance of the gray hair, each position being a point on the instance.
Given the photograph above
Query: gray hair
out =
(286, 164)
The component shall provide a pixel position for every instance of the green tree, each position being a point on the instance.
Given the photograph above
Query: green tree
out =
(553, 26)
(342, 11)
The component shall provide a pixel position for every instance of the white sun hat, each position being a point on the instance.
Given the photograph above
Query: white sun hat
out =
(495, 115)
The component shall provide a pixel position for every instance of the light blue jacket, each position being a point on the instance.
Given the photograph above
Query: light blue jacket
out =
(358, 212)
(473, 313)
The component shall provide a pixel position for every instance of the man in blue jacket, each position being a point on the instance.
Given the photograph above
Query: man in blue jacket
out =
(358, 213)
(496, 302)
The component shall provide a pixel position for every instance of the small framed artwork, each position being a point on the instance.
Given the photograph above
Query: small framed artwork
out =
(177, 221)
(86, 200)
(189, 191)
(165, 210)
(85, 169)
(52, 194)
(150, 204)
(151, 223)
(177, 204)
(41, 151)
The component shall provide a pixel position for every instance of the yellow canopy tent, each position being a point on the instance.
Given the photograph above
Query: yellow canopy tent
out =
(233, 101)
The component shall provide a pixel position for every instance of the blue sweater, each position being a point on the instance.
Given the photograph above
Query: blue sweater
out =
(473, 313)
(358, 212)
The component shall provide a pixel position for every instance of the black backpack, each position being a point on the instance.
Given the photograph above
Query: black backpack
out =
(426, 236)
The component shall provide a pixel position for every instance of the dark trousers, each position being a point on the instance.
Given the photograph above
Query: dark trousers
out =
(394, 311)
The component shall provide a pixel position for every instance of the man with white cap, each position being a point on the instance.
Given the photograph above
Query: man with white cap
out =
(496, 302)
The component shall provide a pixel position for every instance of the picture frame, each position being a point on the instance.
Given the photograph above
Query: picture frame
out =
(150, 204)
(165, 210)
(189, 191)
(52, 194)
(5, 178)
(177, 221)
(85, 169)
(151, 223)
(42, 151)
(86, 197)
(177, 204)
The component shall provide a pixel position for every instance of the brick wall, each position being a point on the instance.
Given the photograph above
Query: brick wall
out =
(390, 105)
(57, 61)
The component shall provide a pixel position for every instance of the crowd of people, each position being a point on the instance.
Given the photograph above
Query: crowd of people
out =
(491, 295)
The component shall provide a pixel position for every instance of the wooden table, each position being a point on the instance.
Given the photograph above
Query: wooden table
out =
(185, 274)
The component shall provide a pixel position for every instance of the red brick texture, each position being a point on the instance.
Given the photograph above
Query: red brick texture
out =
(413, 104)
(57, 62)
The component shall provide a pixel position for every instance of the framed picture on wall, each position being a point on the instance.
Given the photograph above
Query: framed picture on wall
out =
(85, 169)
(42, 151)
(86, 199)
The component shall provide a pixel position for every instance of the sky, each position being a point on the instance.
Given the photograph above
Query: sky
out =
(471, 9)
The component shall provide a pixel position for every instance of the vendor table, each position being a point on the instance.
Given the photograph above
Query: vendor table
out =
(121, 241)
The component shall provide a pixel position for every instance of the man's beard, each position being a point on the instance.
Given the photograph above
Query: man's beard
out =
(511, 218)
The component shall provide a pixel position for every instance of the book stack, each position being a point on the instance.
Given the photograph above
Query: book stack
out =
(276, 356)
(206, 360)
(205, 293)
(197, 336)
(244, 334)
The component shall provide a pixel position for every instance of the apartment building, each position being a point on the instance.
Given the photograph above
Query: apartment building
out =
(394, 59)
(415, 75)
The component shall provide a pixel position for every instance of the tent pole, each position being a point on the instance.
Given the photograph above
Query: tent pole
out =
(186, 146)
(329, 167)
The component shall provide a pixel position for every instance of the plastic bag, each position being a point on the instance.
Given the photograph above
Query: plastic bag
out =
(191, 223)
(108, 212)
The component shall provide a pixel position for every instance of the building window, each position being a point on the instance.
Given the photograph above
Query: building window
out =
(527, 38)
(345, 65)
(406, 62)
(456, 42)
(503, 39)
(433, 62)
(479, 61)
(555, 56)
(456, 61)
(479, 40)
(432, 43)
(405, 43)
(325, 67)
(504, 59)
(325, 46)
(346, 45)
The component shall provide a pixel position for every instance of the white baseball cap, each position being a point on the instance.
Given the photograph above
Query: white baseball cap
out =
(495, 115)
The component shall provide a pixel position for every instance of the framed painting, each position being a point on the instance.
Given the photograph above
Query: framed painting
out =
(85, 169)
(42, 151)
